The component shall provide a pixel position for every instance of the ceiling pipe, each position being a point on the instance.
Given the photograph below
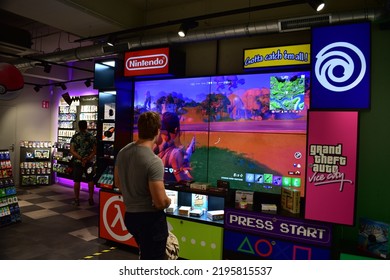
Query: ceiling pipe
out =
(197, 18)
(235, 31)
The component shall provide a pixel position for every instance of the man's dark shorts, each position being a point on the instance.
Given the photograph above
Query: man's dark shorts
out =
(79, 170)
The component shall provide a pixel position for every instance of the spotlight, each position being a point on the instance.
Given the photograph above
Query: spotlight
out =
(317, 5)
(87, 83)
(111, 41)
(37, 88)
(185, 26)
(63, 86)
(46, 67)
(67, 98)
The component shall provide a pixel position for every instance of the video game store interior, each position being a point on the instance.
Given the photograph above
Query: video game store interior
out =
(283, 140)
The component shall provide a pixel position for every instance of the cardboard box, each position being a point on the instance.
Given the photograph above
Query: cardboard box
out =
(216, 215)
(199, 201)
(244, 200)
(185, 210)
(196, 213)
(200, 186)
(291, 200)
(269, 207)
(171, 208)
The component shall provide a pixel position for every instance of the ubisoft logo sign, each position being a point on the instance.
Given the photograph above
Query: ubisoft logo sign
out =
(328, 60)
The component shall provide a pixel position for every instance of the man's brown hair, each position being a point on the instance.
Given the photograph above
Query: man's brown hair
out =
(148, 125)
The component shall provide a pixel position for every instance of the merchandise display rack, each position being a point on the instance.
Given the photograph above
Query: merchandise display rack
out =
(81, 108)
(9, 207)
(106, 139)
(35, 163)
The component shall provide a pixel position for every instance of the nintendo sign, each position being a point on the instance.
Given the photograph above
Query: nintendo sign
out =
(147, 62)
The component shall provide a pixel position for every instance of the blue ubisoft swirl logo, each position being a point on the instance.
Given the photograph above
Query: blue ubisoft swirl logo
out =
(335, 66)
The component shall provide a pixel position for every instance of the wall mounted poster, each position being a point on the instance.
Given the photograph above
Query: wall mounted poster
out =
(108, 132)
(331, 166)
(341, 56)
(109, 111)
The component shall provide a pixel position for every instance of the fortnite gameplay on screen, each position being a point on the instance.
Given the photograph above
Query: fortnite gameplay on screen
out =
(249, 130)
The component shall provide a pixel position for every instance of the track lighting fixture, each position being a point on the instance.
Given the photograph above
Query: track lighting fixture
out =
(317, 5)
(87, 83)
(111, 41)
(67, 98)
(185, 26)
(37, 88)
(63, 86)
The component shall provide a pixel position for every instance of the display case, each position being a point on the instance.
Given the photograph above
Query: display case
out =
(200, 236)
(35, 163)
(196, 217)
(9, 206)
(106, 138)
(205, 206)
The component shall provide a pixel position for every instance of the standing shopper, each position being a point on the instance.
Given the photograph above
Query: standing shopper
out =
(83, 150)
(139, 174)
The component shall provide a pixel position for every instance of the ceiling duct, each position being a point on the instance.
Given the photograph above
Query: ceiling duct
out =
(303, 23)
(250, 29)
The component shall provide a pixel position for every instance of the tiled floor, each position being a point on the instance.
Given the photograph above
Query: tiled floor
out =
(53, 229)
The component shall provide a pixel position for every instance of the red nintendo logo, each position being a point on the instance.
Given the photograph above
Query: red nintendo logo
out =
(145, 62)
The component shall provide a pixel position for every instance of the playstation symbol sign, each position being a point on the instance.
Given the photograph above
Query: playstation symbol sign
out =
(341, 57)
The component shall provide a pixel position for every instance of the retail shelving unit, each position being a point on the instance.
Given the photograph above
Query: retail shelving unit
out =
(106, 139)
(35, 163)
(9, 206)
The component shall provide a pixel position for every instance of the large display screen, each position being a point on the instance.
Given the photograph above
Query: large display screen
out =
(249, 130)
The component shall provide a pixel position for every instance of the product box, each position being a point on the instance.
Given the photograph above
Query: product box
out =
(269, 208)
(374, 237)
(196, 213)
(216, 215)
(200, 186)
(171, 208)
(244, 200)
(199, 201)
(185, 210)
(291, 200)
(173, 195)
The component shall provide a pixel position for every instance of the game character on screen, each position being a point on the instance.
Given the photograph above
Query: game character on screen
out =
(148, 100)
(175, 157)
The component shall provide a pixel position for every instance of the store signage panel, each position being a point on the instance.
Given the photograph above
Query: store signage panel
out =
(331, 166)
(285, 228)
(112, 226)
(277, 56)
(341, 58)
(272, 249)
(147, 62)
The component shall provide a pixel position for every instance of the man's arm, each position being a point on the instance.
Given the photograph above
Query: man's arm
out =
(74, 152)
(159, 197)
(92, 153)
(117, 181)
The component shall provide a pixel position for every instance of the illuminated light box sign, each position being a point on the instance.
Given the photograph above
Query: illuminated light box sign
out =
(147, 62)
(277, 56)
(272, 249)
(331, 166)
(285, 228)
(341, 67)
